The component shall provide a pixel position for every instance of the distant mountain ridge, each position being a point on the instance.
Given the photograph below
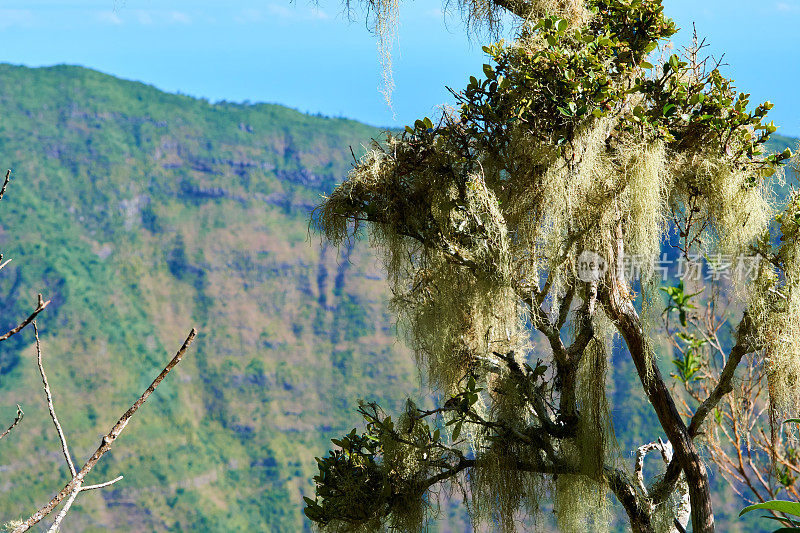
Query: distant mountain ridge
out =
(141, 214)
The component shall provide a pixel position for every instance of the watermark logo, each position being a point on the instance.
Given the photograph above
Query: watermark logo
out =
(591, 266)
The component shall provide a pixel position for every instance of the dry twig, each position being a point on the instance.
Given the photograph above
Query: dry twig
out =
(17, 420)
(41, 305)
(50, 405)
(5, 183)
(75, 485)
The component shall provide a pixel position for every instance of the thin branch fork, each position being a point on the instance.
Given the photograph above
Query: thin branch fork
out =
(75, 485)
(74, 494)
(39, 308)
(17, 420)
(723, 387)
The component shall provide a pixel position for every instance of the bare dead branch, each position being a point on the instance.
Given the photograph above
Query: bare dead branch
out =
(101, 485)
(76, 483)
(5, 183)
(48, 394)
(39, 308)
(641, 453)
(64, 510)
(17, 420)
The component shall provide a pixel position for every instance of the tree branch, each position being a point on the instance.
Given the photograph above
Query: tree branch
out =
(5, 183)
(613, 296)
(50, 406)
(626, 493)
(17, 420)
(76, 482)
(101, 485)
(39, 308)
(724, 386)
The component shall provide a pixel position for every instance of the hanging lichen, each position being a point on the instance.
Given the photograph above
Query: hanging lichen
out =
(499, 491)
(571, 146)
(580, 504)
(775, 307)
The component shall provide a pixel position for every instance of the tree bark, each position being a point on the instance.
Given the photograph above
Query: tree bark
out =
(627, 321)
(626, 493)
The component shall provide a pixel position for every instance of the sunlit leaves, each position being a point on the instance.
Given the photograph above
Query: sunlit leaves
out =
(679, 301)
(780, 506)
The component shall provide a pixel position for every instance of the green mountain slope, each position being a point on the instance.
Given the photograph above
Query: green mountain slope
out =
(141, 214)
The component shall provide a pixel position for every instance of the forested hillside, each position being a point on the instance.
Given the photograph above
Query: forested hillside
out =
(141, 214)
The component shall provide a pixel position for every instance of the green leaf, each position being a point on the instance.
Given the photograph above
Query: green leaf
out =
(781, 506)
(777, 519)
(437, 435)
(766, 172)
(646, 64)
(427, 122)
(674, 61)
(457, 431)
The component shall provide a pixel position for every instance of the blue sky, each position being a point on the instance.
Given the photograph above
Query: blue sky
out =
(315, 59)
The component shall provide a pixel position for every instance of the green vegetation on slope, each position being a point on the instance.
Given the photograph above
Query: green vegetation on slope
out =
(141, 214)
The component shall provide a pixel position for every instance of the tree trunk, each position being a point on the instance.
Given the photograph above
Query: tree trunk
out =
(627, 321)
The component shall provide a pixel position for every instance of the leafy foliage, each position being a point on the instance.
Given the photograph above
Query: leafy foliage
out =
(679, 301)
